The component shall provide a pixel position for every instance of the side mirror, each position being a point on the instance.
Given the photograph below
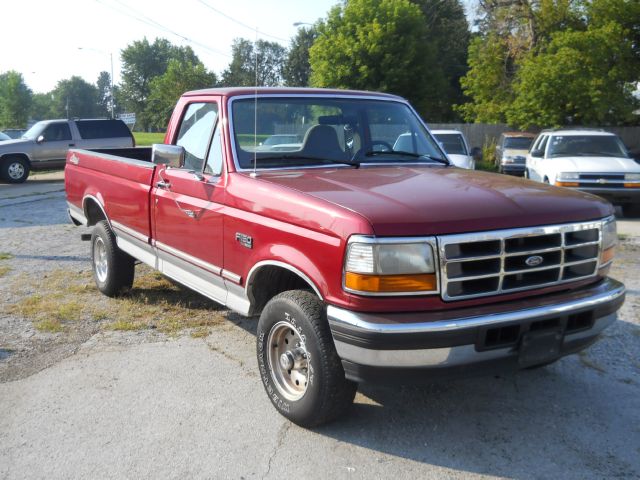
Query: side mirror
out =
(169, 155)
(40, 139)
(476, 153)
(537, 153)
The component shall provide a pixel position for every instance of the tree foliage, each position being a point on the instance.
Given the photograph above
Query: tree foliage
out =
(242, 68)
(297, 69)
(377, 45)
(549, 62)
(15, 100)
(74, 97)
(180, 77)
(103, 84)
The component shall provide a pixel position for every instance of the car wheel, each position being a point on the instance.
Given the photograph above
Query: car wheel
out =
(631, 210)
(113, 270)
(15, 170)
(300, 369)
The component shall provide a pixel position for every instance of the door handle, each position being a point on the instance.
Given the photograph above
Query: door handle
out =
(163, 184)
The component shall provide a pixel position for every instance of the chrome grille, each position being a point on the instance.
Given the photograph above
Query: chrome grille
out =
(505, 261)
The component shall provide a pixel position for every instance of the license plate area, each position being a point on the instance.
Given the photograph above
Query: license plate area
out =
(539, 347)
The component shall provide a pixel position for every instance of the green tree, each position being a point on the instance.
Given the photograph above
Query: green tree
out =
(448, 31)
(15, 100)
(581, 77)
(42, 106)
(104, 94)
(181, 76)
(242, 68)
(141, 63)
(297, 70)
(75, 98)
(378, 45)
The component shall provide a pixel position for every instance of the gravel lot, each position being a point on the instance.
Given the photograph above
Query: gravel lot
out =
(97, 400)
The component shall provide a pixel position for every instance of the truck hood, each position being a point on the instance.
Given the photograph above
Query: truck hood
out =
(594, 164)
(428, 200)
(19, 145)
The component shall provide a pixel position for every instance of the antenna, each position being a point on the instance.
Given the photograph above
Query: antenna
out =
(255, 110)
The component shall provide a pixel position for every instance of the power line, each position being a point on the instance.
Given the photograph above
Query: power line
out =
(228, 17)
(137, 15)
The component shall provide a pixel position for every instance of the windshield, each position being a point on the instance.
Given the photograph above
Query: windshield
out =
(34, 132)
(322, 130)
(586, 146)
(518, 143)
(452, 143)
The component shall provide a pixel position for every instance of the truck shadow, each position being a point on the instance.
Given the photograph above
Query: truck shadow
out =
(576, 418)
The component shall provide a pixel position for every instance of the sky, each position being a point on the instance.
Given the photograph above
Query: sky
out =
(51, 40)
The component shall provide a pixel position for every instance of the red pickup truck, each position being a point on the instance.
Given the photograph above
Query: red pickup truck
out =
(337, 218)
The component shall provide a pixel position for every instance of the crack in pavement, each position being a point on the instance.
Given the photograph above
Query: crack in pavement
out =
(282, 433)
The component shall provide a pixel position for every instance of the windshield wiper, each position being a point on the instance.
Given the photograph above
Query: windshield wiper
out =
(291, 156)
(373, 153)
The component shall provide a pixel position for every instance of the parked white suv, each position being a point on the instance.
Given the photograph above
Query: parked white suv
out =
(594, 161)
(456, 147)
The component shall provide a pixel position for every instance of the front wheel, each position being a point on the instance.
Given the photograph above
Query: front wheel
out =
(113, 269)
(15, 170)
(300, 369)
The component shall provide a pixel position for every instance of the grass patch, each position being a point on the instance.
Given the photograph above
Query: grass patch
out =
(4, 270)
(622, 237)
(146, 139)
(5, 256)
(65, 298)
(486, 166)
(200, 332)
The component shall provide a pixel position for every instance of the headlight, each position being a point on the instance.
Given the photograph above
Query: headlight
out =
(567, 179)
(609, 241)
(508, 159)
(568, 176)
(632, 180)
(390, 266)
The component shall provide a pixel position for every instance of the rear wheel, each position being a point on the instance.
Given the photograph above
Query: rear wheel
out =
(113, 269)
(15, 169)
(300, 369)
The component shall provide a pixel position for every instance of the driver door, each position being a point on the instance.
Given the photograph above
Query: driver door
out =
(188, 206)
(52, 151)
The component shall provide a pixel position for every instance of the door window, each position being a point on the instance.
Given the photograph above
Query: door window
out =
(195, 133)
(214, 159)
(57, 132)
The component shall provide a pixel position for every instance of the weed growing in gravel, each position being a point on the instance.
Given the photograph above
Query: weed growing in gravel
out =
(5, 256)
(66, 297)
(4, 270)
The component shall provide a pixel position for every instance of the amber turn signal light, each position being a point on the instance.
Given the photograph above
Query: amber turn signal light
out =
(607, 255)
(390, 283)
(567, 184)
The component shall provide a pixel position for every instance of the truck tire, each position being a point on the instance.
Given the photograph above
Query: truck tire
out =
(14, 169)
(113, 269)
(300, 369)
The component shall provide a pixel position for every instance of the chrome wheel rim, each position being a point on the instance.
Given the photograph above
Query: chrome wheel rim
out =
(100, 263)
(16, 171)
(288, 361)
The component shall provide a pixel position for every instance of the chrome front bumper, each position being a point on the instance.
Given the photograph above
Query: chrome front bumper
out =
(456, 339)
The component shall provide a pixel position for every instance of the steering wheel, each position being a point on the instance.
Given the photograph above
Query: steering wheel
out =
(387, 146)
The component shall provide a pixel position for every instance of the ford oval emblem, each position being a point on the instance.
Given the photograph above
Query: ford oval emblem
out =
(534, 260)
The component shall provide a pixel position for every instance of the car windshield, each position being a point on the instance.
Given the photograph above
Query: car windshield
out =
(323, 130)
(452, 143)
(34, 132)
(586, 146)
(518, 143)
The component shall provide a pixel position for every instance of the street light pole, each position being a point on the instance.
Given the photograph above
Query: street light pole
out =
(112, 106)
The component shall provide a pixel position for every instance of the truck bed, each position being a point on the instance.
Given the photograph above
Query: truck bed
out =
(125, 177)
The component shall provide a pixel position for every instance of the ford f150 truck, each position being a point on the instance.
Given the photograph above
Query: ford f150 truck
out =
(364, 262)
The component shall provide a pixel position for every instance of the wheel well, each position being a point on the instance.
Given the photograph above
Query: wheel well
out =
(269, 281)
(7, 156)
(93, 211)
